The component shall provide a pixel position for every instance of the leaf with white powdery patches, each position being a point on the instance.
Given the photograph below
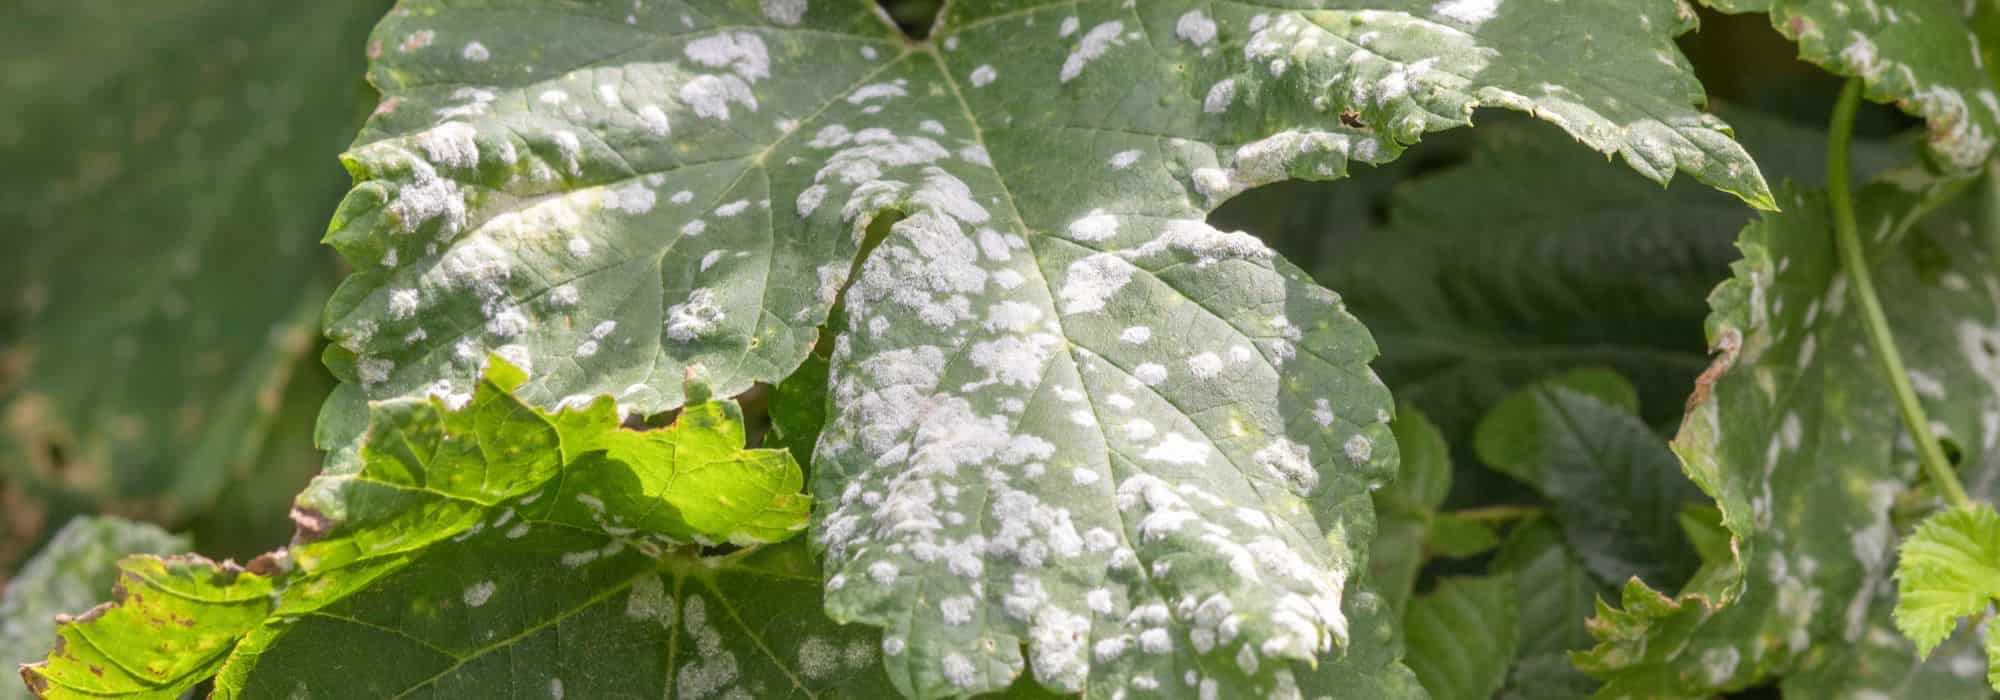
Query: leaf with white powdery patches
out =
(1793, 431)
(1924, 55)
(1068, 414)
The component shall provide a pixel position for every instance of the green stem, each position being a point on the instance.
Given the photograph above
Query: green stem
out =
(1848, 239)
(1499, 513)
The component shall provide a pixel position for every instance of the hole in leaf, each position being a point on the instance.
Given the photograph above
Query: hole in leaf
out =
(914, 17)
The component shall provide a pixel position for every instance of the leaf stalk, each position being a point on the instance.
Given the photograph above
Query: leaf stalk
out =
(1848, 240)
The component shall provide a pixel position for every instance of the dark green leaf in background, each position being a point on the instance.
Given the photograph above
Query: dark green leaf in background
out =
(170, 165)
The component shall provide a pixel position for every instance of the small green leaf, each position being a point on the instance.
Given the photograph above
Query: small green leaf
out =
(1508, 438)
(1463, 636)
(1405, 508)
(1616, 490)
(171, 624)
(74, 571)
(1948, 569)
(1555, 594)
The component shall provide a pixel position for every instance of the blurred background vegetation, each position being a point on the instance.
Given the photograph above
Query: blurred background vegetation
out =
(171, 165)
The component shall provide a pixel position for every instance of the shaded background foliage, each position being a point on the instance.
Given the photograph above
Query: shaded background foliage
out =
(171, 166)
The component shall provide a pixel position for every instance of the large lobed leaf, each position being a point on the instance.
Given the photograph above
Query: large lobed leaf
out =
(1933, 58)
(1067, 413)
(1795, 436)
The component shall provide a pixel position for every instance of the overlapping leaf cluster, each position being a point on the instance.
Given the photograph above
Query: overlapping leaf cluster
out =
(1066, 435)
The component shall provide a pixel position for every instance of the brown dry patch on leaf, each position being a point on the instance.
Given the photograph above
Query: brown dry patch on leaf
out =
(1724, 349)
(312, 525)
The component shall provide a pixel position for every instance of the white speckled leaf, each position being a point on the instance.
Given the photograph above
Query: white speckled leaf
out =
(1058, 384)
(1795, 435)
(1926, 56)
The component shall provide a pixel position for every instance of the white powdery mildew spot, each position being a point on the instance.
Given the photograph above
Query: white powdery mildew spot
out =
(958, 670)
(1289, 462)
(694, 318)
(1097, 41)
(1472, 12)
(1124, 159)
(710, 96)
(1205, 365)
(983, 76)
(1149, 373)
(475, 52)
(783, 12)
(712, 668)
(1056, 646)
(477, 594)
(1220, 96)
(1090, 282)
(1359, 448)
(1176, 448)
(633, 198)
(1196, 28)
(403, 304)
(451, 144)
(374, 370)
(1095, 226)
(655, 120)
(1136, 335)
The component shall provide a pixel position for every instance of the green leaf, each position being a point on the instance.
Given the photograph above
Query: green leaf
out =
(477, 537)
(170, 170)
(1554, 595)
(1405, 507)
(561, 612)
(1457, 537)
(798, 409)
(1048, 325)
(72, 572)
(437, 468)
(1463, 636)
(1948, 569)
(1926, 56)
(170, 625)
(1616, 490)
(1794, 435)
(1508, 438)
(1533, 258)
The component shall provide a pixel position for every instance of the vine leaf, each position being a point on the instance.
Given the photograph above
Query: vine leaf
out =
(173, 621)
(1948, 569)
(74, 571)
(478, 534)
(1791, 430)
(1050, 330)
(1926, 56)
